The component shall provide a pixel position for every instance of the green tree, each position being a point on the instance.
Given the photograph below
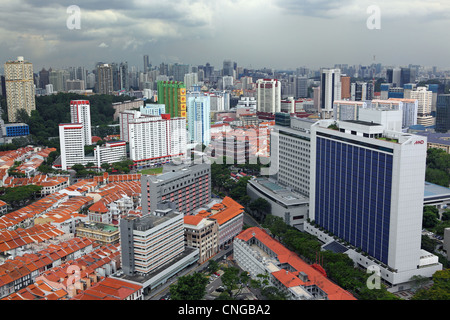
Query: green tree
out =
(17, 196)
(234, 281)
(430, 217)
(213, 265)
(189, 287)
(440, 290)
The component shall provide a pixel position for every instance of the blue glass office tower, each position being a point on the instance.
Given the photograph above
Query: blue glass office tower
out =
(355, 183)
(367, 187)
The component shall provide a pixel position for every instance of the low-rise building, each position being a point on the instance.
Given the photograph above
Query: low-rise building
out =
(201, 233)
(258, 253)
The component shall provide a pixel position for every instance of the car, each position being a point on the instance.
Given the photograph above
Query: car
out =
(220, 289)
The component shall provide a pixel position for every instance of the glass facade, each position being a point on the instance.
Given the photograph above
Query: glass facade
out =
(353, 194)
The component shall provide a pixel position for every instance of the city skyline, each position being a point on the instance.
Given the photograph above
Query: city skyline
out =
(280, 34)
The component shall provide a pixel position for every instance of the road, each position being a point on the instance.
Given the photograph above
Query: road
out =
(160, 292)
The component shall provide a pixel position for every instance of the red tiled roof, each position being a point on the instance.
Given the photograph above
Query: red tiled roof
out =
(286, 256)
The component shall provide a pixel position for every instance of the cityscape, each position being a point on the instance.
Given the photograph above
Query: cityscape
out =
(158, 169)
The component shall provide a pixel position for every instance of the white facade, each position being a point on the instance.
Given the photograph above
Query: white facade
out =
(425, 102)
(347, 110)
(111, 152)
(71, 140)
(330, 90)
(80, 112)
(199, 118)
(153, 109)
(404, 209)
(156, 140)
(268, 97)
(124, 122)
(153, 247)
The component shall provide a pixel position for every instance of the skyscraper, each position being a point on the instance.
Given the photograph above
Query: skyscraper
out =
(425, 100)
(367, 187)
(345, 90)
(71, 141)
(199, 118)
(301, 87)
(156, 139)
(173, 95)
(228, 69)
(443, 113)
(20, 93)
(80, 112)
(124, 80)
(330, 90)
(146, 64)
(104, 79)
(268, 95)
(43, 78)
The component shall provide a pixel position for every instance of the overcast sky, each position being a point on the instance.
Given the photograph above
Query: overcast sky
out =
(280, 34)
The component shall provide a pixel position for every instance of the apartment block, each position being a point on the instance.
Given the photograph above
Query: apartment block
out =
(156, 139)
(19, 87)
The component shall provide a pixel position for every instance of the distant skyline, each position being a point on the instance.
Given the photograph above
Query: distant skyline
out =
(278, 34)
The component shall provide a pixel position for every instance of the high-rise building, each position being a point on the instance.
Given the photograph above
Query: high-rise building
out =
(293, 156)
(347, 110)
(19, 83)
(146, 63)
(71, 141)
(361, 91)
(44, 78)
(188, 187)
(199, 118)
(228, 69)
(58, 79)
(148, 242)
(443, 113)
(179, 70)
(301, 87)
(409, 109)
(124, 79)
(367, 187)
(346, 87)
(190, 79)
(80, 112)
(330, 90)
(156, 139)
(110, 152)
(268, 95)
(425, 100)
(104, 79)
(75, 85)
(173, 95)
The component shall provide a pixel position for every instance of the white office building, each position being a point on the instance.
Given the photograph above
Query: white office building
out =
(425, 102)
(330, 90)
(268, 97)
(367, 187)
